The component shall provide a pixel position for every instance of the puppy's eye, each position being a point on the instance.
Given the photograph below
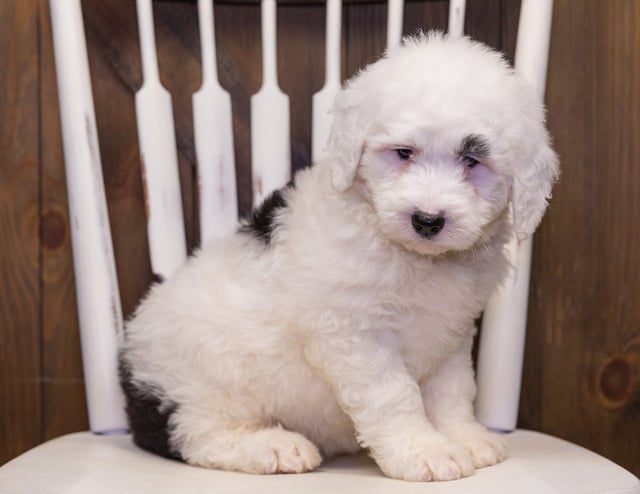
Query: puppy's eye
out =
(470, 161)
(404, 153)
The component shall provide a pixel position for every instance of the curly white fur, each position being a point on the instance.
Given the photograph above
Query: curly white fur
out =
(350, 329)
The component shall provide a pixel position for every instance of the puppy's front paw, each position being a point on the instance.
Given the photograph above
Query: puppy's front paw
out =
(271, 450)
(428, 458)
(486, 448)
(281, 451)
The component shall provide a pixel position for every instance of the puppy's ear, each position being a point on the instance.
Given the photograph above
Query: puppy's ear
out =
(531, 188)
(346, 139)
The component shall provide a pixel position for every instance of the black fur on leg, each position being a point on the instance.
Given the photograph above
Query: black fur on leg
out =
(148, 415)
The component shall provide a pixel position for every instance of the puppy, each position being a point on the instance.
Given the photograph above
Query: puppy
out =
(341, 315)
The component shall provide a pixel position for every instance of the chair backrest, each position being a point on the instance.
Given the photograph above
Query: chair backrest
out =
(101, 326)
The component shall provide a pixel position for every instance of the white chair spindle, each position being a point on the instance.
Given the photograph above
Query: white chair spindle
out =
(395, 13)
(532, 49)
(323, 99)
(159, 157)
(502, 340)
(99, 309)
(213, 134)
(270, 141)
(456, 18)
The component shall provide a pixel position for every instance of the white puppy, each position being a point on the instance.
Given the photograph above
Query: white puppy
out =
(341, 316)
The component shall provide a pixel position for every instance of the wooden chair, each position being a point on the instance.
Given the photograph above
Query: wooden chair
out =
(105, 459)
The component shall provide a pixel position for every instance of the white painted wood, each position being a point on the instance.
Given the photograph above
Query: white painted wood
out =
(270, 144)
(501, 345)
(213, 133)
(99, 309)
(82, 463)
(323, 100)
(456, 18)
(532, 48)
(504, 322)
(395, 13)
(159, 157)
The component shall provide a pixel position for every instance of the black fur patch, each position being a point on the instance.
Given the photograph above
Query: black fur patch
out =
(148, 416)
(263, 220)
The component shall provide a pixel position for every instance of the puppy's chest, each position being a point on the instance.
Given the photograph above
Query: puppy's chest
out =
(426, 328)
(432, 291)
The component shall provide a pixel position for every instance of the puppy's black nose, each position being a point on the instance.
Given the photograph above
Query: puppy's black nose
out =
(427, 225)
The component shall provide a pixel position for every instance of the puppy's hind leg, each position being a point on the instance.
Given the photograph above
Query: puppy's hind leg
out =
(250, 448)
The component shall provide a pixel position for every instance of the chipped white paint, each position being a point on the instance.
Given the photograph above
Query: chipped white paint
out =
(323, 99)
(99, 310)
(156, 135)
(213, 132)
(270, 144)
(395, 14)
(456, 18)
(504, 322)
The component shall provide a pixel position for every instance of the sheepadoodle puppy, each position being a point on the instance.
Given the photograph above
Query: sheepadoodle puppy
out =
(341, 315)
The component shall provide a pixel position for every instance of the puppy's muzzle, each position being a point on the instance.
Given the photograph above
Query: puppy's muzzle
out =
(427, 225)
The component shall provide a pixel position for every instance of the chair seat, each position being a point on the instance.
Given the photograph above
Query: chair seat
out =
(86, 463)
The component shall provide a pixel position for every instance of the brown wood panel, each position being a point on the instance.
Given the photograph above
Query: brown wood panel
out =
(20, 291)
(582, 369)
(425, 16)
(364, 35)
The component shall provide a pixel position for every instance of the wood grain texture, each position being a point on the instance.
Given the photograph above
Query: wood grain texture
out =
(20, 290)
(582, 369)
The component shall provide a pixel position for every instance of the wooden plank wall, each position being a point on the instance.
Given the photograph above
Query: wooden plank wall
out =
(582, 377)
(582, 371)
(21, 398)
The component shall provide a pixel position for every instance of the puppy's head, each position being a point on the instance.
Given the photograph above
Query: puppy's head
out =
(443, 135)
